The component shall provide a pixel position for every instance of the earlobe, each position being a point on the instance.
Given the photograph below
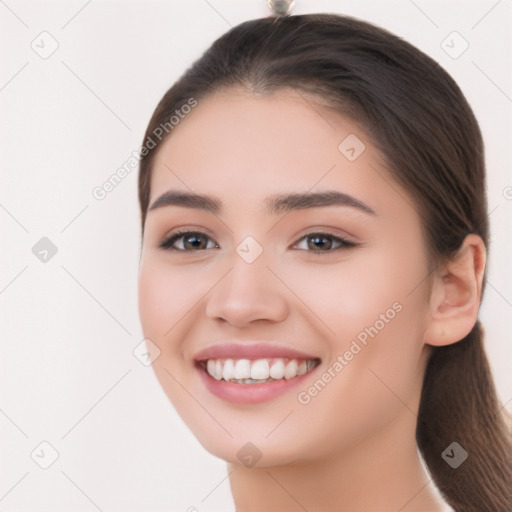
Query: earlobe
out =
(456, 294)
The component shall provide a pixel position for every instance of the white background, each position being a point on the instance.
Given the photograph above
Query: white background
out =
(69, 326)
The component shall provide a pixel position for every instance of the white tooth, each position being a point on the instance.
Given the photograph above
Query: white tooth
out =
(218, 369)
(260, 369)
(243, 369)
(290, 369)
(229, 369)
(210, 367)
(302, 368)
(277, 369)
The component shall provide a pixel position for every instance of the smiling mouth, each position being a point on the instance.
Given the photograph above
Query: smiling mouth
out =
(256, 371)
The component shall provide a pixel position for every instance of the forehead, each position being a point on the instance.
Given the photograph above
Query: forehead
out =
(286, 123)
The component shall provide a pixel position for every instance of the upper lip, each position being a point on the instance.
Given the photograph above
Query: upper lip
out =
(248, 350)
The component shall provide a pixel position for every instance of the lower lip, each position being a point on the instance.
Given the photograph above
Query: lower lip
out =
(250, 393)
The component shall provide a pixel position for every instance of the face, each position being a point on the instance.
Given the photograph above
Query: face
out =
(325, 296)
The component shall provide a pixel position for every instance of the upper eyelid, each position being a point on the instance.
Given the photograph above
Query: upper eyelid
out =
(332, 231)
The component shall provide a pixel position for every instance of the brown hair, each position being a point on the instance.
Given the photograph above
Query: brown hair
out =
(418, 118)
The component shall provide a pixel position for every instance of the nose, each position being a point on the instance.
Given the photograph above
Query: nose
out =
(248, 292)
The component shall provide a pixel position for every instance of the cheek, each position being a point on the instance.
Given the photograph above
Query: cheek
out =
(352, 294)
(375, 308)
(165, 295)
(375, 367)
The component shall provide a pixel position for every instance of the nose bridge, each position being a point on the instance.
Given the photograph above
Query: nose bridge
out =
(249, 291)
(249, 276)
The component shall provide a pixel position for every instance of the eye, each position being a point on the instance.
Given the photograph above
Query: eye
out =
(319, 242)
(192, 241)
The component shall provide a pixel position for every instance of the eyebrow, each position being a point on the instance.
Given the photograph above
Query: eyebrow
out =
(276, 204)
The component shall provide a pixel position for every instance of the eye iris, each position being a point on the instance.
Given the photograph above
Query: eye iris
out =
(315, 240)
(195, 238)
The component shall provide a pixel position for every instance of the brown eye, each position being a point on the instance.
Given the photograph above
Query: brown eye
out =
(324, 242)
(193, 241)
(190, 241)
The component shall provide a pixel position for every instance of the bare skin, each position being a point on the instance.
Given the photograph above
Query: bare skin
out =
(350, 446)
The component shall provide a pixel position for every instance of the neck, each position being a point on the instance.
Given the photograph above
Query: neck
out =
(382, 472)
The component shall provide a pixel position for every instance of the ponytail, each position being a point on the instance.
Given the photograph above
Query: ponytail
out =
(459, 404)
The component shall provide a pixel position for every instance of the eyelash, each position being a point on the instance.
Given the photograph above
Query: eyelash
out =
(167, 243)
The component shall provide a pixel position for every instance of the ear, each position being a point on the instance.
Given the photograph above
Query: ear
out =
(456, 294)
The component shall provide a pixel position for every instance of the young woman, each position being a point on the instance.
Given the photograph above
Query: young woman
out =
(315, 227)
